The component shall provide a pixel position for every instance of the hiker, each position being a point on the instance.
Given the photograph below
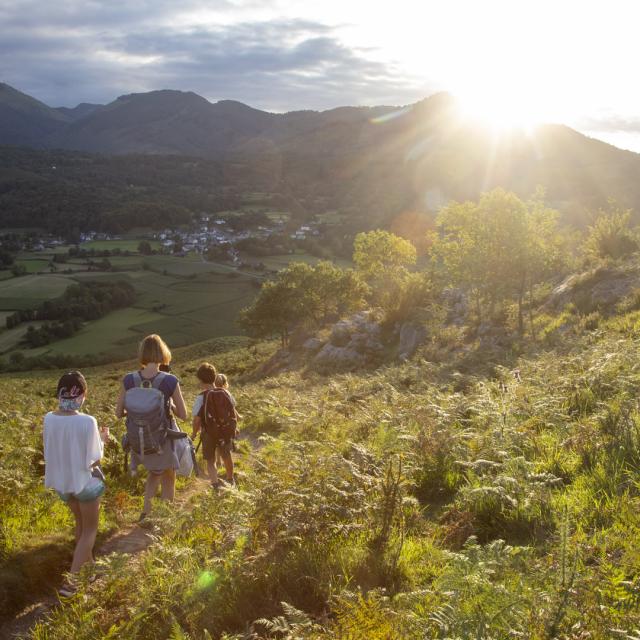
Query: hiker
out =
(151, 435)
(214, 416)
(73, 447)
(222, 382)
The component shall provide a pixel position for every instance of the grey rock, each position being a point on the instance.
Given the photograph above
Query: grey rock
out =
(411, 336)
(339, 358)
(341, 333)
(313, 345)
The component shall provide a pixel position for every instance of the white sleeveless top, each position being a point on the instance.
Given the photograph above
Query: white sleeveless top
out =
(71, 445)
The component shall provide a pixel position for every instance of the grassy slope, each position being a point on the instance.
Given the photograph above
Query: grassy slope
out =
(409, 502)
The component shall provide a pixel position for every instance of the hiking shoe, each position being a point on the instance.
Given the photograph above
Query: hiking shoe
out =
(67, 590)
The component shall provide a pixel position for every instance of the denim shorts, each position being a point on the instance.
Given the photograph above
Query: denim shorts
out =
(92, 490)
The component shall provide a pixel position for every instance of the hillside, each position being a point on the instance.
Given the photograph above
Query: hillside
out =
(26, 121)
(374, 162)
(468, 492)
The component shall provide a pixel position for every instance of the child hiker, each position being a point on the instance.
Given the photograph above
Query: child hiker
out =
(73, 447)
(214, 417)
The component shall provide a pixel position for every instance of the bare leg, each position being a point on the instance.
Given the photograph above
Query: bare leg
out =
(153, 481)
(212, 470)
(228, 465)
(89, 512)
(75, 509)
(168, 480)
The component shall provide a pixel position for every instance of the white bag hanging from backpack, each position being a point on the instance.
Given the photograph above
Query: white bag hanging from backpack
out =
(186, 454)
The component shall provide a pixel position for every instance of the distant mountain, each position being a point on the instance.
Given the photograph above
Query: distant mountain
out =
(26, 121)
(82, 110)
(379, 161)
(162, 122)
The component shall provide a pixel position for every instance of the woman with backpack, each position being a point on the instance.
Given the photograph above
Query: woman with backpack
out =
(150, 434)
(73, 447)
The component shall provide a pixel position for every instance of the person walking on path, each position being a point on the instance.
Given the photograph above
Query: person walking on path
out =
(73, 447)
(216, 437)
(161, 465)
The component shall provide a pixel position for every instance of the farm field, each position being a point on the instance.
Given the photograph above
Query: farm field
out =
(194, 301)
(123, 244)
(185, 299)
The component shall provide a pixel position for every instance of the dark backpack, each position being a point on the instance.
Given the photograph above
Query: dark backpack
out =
(218, 414)
(147, 420)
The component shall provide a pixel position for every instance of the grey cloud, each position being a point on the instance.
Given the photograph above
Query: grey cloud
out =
(611, 124)
(278, 65)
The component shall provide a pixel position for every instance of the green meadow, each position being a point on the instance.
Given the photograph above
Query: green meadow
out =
(186, 300)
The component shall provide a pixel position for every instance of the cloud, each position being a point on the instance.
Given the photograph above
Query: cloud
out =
(68, 52)
(612, 123)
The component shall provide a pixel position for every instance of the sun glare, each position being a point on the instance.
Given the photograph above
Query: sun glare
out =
(500, 112)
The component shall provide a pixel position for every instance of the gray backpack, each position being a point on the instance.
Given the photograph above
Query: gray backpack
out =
(147, 420)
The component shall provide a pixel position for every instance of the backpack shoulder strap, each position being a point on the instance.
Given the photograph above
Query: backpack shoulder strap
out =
(136, 379)
(156, 381)
(206, 404)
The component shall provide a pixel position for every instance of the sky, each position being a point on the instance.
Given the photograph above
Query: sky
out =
(509, 61)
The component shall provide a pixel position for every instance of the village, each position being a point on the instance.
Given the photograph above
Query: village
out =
(209, 236)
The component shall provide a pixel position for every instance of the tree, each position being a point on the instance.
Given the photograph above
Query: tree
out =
(610, 236)
(378, 251)
(498, 248)
(382, 258)
(144, 248)
(302, 295)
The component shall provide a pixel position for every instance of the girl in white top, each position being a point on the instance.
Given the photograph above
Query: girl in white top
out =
(73, 446)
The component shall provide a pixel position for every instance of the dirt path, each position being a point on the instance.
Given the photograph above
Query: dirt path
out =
(131, 540)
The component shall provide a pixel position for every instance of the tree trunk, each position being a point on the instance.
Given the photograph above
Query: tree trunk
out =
(520, 315)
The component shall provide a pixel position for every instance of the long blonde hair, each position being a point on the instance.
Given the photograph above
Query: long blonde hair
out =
(221, 381)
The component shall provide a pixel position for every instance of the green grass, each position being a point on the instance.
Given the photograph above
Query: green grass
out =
(29, 291)
(34, 265)
(278, 216)
(118, 333)
(123, 245)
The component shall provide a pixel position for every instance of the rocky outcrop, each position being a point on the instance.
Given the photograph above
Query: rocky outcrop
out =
(411, 336)
(353, 343)
(598, 289)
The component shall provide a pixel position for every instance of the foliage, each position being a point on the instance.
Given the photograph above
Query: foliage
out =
(498, 248)
(383, 260)
(302, 294)
(610, 236)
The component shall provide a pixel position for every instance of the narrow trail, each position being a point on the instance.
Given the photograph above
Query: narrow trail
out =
(132, 540)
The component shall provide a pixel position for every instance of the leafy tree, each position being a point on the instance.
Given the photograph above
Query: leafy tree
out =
(144, 248)
(375, 252)
(6, 258)
(497, 248)
(303, 295)
(610, 236)
(383, 259)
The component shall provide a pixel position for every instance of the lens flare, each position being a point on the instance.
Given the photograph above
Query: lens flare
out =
(206, 580)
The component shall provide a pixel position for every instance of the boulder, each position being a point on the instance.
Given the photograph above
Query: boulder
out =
(598, 289)
(341, 333)
(458, 306)
(411, 336)
(313, 345)
(332, 357)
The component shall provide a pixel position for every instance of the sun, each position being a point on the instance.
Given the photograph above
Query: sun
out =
(500, 111)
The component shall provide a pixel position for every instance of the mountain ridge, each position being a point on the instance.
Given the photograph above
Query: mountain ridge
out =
(379, 161)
